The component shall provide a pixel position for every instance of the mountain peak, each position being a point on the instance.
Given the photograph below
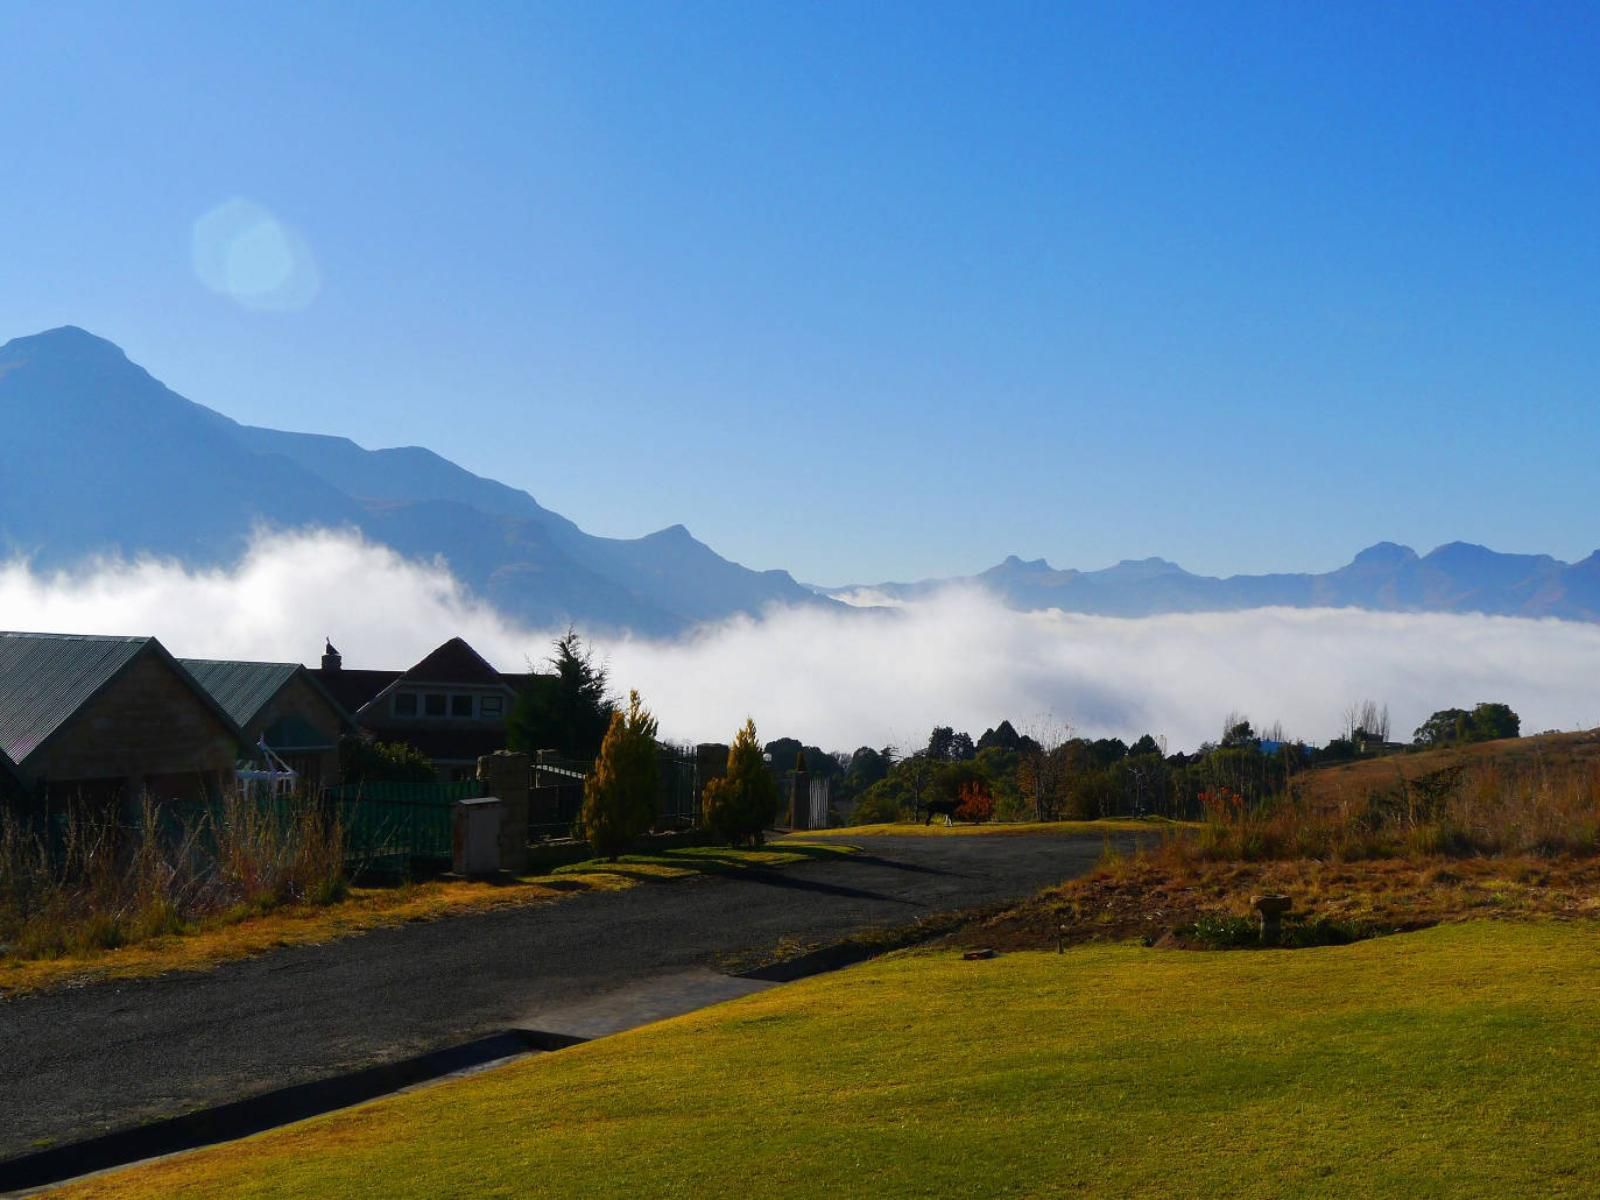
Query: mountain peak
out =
(65, 340)
(1014, 563)
(1139, 570)
(1385, 554)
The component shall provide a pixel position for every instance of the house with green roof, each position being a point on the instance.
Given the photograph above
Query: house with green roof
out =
(109, 717)
(282, 707)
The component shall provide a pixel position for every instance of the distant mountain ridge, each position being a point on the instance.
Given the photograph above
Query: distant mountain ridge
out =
(1457, 577)
(98, 456)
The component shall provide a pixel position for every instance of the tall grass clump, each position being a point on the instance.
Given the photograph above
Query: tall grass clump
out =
(1528, 808)
(81, 881)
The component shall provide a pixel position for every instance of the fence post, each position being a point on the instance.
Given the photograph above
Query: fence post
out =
(506, 775)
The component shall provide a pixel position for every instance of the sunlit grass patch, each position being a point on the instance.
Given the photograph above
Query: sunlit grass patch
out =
(1001, 828)
(1454, 1062)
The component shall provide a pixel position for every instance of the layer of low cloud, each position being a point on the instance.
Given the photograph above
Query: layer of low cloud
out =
(843, 679)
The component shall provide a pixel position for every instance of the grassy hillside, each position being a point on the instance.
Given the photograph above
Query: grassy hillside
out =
(1555, 756)
(1455, 1062)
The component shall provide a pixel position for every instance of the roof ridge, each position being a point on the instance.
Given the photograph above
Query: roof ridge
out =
(78, 637)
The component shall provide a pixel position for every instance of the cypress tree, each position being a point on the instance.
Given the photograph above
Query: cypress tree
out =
(619, 797)
(739, 806)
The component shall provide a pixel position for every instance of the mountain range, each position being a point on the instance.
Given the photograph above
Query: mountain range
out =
(1458, 577)
(98, 457)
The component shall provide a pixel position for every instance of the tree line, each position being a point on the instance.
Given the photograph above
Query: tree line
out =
(1045, 774)
(1051, 775)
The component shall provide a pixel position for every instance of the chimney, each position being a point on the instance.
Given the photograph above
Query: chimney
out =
(332, 660)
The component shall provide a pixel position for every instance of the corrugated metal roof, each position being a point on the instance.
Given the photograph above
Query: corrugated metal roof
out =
(46, 677)
(241, 688)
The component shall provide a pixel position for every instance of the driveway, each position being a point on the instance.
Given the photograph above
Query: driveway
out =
(79, 1062)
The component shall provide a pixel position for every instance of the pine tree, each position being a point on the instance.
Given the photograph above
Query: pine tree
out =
(568, 711)
(619, 798)
(739, 806)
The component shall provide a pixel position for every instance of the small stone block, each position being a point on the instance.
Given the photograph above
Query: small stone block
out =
(974, 955)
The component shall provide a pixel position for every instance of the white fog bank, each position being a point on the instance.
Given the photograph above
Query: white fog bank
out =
(842, 679)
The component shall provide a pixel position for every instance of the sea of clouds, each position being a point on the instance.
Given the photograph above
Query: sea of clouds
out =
(845, 678)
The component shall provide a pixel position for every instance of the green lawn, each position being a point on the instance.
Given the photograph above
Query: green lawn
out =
(1460, 1061)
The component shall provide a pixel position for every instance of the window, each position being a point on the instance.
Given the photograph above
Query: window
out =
(405, 704)
(460, 706)
(433, 704)
(490, 706)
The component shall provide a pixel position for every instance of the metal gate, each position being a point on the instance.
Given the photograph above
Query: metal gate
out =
(399, 828)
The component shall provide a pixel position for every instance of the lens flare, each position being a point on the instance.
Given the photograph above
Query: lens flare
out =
(240, 250)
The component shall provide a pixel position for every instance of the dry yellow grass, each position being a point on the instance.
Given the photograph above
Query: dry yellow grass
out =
(1149, 896)
(1557, 755)
(999, 828)
(235, 936)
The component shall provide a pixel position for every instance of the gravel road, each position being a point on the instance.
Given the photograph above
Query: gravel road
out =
(83, 1061)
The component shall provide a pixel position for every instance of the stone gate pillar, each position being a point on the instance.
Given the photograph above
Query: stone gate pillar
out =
(507, 775)
(799, 800)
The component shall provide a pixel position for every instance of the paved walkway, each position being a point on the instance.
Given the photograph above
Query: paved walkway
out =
(80, 1062)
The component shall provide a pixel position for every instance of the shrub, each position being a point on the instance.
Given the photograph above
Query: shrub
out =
(977, 805)
(1012, 806)
(879, 806)
(739, 806)
(361, 761)
(619, 797)
(1225, 932)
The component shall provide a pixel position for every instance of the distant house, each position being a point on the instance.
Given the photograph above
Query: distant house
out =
(452, 706)
(283, 707)
(109, 717)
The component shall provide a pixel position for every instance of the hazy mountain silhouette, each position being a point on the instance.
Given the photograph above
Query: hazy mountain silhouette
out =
(99, 457)
(1458, 577)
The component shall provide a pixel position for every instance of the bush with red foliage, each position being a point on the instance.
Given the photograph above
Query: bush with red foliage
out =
(977, 805)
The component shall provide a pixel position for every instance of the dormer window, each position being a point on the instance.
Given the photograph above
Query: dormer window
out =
(405, 704)
(460, 706)
(491, 706)
(433, 704)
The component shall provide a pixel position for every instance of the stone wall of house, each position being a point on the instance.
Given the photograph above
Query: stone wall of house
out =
(146, 730)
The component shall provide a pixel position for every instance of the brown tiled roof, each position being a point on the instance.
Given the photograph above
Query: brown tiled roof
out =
(453, 662)
(350, 688)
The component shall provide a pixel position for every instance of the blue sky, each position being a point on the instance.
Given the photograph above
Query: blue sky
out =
(865, 291)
